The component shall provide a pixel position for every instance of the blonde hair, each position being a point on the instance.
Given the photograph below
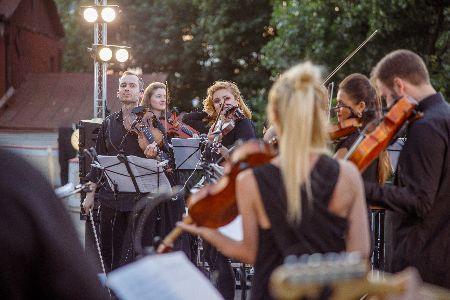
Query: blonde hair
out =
(148, 93)
(208, 105)
(297, 108)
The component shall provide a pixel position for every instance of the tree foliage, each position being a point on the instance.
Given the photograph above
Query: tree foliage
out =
(327, 31)
(196, 42)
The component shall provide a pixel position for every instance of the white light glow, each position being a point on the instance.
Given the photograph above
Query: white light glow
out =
(108, 14)
(122, 55)
(105, 54)
(90, 14)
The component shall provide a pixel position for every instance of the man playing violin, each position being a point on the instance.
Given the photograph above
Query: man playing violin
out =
(419, 200)
(117, 136)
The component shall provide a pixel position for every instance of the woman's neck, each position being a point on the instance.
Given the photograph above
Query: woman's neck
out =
(157, 113)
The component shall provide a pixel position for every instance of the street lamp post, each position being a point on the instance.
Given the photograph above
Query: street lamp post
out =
(102, 51)
(100, 88)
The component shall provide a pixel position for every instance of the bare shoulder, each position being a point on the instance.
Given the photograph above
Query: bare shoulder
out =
(347, 187)
(246, 180)
(348, 170)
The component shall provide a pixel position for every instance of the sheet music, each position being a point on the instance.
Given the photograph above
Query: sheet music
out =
(144, 169)
(164, 277)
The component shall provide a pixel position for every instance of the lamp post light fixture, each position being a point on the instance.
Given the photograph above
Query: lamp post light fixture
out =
(100, 14)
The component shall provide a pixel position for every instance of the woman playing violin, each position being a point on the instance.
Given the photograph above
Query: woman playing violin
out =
(167, 213)
(155, 100)
(303, 201)
(221, 97)
(357, 99)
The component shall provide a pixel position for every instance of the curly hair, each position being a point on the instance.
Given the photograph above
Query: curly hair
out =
(208, 105)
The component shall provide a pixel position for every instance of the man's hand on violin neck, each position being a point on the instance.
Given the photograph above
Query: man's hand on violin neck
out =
(151, 151)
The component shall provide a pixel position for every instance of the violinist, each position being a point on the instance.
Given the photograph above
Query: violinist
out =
(222, 95)
(167, 213)
(115, 136)
(155, 101)
(419, 201)
(357, 99)
(303, 201)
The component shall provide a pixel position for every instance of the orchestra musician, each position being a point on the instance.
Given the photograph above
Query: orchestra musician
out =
(117, 209)
(303, 201)
(169, 212)
(357, 99)
(221, 96)
(419, 200)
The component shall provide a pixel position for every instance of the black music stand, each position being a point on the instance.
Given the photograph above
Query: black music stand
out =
(132, 174)
(187, 153)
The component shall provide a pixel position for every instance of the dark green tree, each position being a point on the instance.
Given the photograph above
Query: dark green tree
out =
(78, 36)
(235, 31)
(327, 31)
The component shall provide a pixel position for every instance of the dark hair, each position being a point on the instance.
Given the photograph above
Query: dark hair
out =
(404, 64)
(358, 88)
(141, 82)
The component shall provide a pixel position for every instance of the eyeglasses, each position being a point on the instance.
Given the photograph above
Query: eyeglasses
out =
(340, 105)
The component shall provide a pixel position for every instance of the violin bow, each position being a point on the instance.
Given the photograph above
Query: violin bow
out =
(330, 98)
(349, 57)
(218, 115)
(167, 104)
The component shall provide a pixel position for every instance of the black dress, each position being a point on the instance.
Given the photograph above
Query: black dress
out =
(243, 130)
(318, 231)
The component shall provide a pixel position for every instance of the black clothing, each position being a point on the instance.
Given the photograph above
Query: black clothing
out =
(117, 218)
(371, 173)
(243, 130)
(420, 198)
(318, 231)
(111, 140)
(196, 120)
(40, 254)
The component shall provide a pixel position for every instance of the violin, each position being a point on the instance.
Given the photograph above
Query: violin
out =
(367, 148)
(231, 115)
(344, 128)
(177, 129)
(215, 205)
(148, 131)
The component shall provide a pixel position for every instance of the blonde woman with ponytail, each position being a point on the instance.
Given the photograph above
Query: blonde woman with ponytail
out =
(303, 201)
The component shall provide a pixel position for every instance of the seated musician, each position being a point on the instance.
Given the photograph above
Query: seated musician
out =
(303, 201)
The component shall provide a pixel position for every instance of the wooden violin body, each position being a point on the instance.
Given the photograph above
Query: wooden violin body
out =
(344, 128)
(215, 205)
(370, 147)
(177, 129)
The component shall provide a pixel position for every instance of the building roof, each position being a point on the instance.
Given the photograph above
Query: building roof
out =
(47, 101)
(9, 7)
